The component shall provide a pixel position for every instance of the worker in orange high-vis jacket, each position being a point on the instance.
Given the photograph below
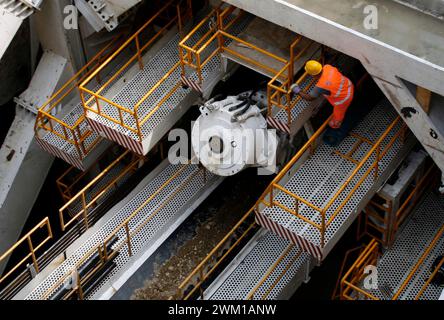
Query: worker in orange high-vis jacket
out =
(333, 85)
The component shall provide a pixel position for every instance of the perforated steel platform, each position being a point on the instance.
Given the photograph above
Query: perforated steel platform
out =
(242, 278)
(145, 79)
(174, 197)
(321, 176)
(397, 263)
(81, 158)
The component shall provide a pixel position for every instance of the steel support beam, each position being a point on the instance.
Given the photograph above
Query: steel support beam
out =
(407, 45)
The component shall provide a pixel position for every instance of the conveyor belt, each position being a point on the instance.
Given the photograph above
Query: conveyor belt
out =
(246, 276)
(395, 264)
(172, 199)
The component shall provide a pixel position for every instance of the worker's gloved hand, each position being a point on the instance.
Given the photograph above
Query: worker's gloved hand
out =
(295, 88)
(335, 124)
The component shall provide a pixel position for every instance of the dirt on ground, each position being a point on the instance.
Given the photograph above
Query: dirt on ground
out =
(235, 200)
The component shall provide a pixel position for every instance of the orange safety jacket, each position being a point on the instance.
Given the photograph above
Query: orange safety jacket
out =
(341, 92)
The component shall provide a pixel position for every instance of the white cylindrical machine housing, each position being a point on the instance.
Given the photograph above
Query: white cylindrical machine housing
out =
(229, 137)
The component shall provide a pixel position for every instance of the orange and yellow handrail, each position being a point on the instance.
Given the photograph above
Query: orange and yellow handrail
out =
(352, 279)
(420, 262)
(386, 233)
(44, 224)
(93, 103)
(81, 196)
(129, 234)
(70, 180)
(278, 88)
(270, 271)
(351, 282)
(216, 256)
(47, 122)
(309, 147)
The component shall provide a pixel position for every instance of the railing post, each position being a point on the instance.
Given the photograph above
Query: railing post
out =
(128, 239)
(179, 21)
(105, 250)
(269, 99)
(62, 220)
(182, 61)
(34, 259)
(201, 281)
(98, 104)
(378, 155)
(139, 131)
(85, 213)
(323, 214)
(139, 56)
(79, 286)
(199, 69)
(271, 195)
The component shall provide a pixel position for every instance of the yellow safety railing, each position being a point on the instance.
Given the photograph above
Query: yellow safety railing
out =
(413, 199)
(123, 230)
(308, 149)
(420, 262)
(72, 179)
(44, 224)
(88, 200)
(386, 234)
(214, 41)
(271, 270)
(215, 258)
(47, 121)
(191, 55)
(347, 258)
(351, 281)
(66, 187)
(133, 114)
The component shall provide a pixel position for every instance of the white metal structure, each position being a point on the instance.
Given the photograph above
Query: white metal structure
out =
(105, 13)
(9, 25)
(21, 8)
(389, 55)
(173, 191)
(231, 135)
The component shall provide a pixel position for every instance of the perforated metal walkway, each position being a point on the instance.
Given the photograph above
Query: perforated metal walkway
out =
(320, 178)
(93, 145)
(174, 200)
(396, 264)
(171, 107)
(264, 269)
(68, 151)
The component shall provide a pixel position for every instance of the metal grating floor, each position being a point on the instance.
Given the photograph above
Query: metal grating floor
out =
(71, 119)
(180, 196)
(153, 71)
(251, 264)
(396, 264)
(322, 175)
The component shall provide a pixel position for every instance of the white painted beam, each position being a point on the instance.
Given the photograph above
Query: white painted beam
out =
(9, 25)
(407, 44)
